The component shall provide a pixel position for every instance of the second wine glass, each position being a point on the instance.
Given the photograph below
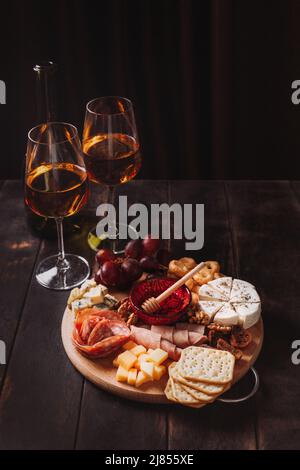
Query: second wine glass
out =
(111, 149)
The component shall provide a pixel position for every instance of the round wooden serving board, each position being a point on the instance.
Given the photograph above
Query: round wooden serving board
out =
(102, 373)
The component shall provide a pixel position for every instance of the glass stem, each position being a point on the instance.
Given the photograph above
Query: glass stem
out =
(62, 264)
(111, 197)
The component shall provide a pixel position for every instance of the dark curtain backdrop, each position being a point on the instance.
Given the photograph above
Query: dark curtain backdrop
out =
(210, 80)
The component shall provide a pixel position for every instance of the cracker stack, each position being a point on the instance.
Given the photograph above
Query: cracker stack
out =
(200, 376)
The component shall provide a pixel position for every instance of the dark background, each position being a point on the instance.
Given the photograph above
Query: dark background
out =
(210, 80)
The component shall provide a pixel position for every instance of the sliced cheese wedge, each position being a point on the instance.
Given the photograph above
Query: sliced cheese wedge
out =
(226, 315)
(207, 292)
(222, 285)
(210, 307)
(243, 291)
(248, 313)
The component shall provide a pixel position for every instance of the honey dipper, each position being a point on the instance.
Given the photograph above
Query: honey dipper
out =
(152, 304)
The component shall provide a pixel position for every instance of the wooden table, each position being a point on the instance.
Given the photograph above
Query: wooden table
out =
(253, 229)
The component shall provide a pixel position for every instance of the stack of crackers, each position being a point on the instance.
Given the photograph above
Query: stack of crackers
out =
(200, 376)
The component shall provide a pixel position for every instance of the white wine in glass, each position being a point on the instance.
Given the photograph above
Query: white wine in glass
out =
(56, 186)
(111, 147)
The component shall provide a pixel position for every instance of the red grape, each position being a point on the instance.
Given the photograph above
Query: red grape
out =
(133, 249)
(163, 256)
(131, 269)
(149, 264)
(104, 255)
(110, 273)
(150, 245)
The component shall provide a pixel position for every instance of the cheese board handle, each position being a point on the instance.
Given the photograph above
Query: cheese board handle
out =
(179, 283)
(249, 395)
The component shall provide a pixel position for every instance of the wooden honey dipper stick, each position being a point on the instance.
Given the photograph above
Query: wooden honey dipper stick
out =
(152, 304)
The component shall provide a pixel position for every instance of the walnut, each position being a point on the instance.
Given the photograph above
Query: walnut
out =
(199, 317)
(125, 309)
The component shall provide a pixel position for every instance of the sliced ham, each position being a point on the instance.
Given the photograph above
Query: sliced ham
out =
(151, 339)
(191, 327)
(173, 351)
(196, 339)
(147, 338)
(181, 338)
(166, 332)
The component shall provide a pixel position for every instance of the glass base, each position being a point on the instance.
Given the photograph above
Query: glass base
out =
(116, 245)
(48, 275)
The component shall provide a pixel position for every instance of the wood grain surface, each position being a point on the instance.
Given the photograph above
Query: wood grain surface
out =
(252, 228)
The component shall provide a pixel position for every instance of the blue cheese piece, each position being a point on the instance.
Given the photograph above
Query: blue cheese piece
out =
(79, 304)
(111, 301)
(74, 295)
(96, 294)
(87, 285)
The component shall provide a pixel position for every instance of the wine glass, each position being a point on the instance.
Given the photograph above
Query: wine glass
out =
(56, 186)
(111, 150)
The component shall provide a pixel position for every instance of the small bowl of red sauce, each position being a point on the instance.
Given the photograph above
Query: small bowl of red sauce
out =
(171, 309)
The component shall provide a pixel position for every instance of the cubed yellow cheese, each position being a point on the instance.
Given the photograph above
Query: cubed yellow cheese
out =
(141, 379)
(122, 374)
(148, 368)
(132, 375)
(158, 372)
(138, 350)
(116, 361)
(158, 356)
(150, 351)
(129, 345)
(143, 358)
(126, 359)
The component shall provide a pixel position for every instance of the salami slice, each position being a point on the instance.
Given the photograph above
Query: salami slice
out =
(98, 333)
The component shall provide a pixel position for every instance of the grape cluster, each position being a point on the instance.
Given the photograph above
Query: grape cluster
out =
(140, 255)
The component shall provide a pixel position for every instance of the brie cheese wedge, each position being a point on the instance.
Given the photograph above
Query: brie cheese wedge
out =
(243, 291)
(230, 302)
(226, 315)
(248, 313)
(210, 307)
(222, 285)
(207, 292)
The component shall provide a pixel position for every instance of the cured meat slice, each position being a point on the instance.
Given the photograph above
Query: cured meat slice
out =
(170, 348)
(195, 338)
(191, 327)
(153, 340)
(173, 351)
(96, 336)
(166, 332)
(147, 338)
(100, 331)
(181, 338)
(98, 312)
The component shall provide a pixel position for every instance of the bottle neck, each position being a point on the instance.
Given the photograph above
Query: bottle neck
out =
(46, 91)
